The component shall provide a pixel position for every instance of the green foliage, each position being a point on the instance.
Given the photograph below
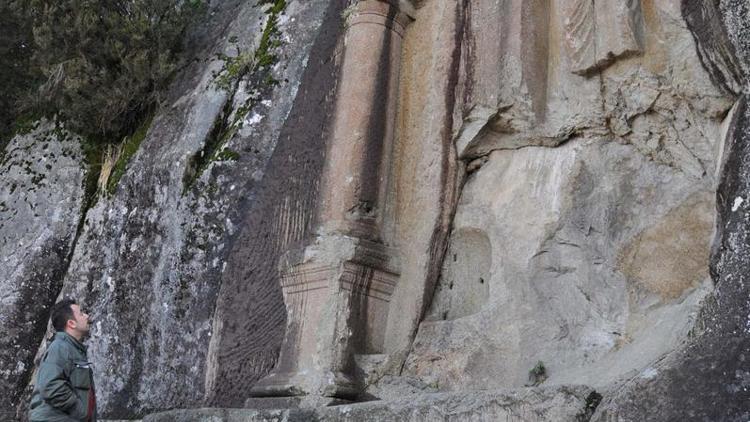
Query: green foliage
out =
(227, 155)
(129, 148)
(257, 64)
(17, 76)
(242, 63)
(537, 374)
(233, 69)
(220, 133)
(25, 124)
(270, 39)
(105, 62)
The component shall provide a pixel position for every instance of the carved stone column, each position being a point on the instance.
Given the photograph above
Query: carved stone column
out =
(337, 289)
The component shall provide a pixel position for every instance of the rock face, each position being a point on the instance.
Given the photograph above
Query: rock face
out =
(561, 291)
(415, 201)
(165, 264)
(41, 195)
(179, 265)
(707, 377)
(525, 405)
(582, 236)
(278, 214)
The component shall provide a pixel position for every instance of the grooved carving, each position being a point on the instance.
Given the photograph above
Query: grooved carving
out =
(356, 278)
(337, 289)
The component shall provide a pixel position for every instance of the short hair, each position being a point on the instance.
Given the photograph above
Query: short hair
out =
(61, 313)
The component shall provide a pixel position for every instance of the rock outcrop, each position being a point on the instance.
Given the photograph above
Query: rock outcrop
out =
(407, 202)
(178, 265)
(706, 378)
(582, 236)
(525, 405)
(41, 197)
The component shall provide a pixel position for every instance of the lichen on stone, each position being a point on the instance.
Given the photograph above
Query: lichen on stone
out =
(256, 69)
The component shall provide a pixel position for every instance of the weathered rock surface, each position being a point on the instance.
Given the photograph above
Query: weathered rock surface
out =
(544, 215)
(590, 256)
(424, 152)
(527, 405)
(182, 316)
(41, 195)
(559, 289)
(278, 213)
(707, 378)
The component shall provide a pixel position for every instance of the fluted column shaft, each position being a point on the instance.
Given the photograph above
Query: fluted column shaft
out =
(355, 176)
(337, 289)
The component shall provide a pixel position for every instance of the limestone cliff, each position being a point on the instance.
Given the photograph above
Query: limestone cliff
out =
(40, 216)
(409, 202)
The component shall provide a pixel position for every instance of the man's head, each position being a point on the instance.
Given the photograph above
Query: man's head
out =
(67, 316)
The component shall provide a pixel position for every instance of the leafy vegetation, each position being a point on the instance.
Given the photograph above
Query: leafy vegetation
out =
(237, 66)
(270, 40)
(17, 76)
(105, 62)
(99, 66)
(256, 66)
(129, 147)
(233, 68)
(537, 374)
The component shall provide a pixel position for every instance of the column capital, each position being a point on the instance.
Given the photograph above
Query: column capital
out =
(408, 7)
(395, 14)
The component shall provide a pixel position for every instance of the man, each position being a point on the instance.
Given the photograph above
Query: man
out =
(64, 388)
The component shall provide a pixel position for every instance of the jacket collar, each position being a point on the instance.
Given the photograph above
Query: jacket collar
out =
(63, 336)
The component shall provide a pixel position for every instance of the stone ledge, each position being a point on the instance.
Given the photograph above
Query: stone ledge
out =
(563, 403)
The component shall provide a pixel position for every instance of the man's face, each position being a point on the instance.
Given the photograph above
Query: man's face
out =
(80, 321)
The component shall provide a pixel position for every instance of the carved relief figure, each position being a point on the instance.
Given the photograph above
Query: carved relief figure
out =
(599, 31)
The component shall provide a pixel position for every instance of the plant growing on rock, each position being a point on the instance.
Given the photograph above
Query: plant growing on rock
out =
(255, 68)
(537, 374)
(105, 62)
(17, 76)
(235, 67)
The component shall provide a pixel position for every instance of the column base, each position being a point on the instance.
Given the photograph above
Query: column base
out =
(297, 402)
(332, 385)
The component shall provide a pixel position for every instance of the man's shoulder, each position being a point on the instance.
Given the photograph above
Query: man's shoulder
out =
(61, 349)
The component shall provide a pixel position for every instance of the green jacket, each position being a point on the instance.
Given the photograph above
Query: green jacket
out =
(63, 381)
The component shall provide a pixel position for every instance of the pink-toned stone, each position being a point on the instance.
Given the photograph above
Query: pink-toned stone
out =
(338, 288)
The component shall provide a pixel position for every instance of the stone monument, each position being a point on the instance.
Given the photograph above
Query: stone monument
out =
(337, 289)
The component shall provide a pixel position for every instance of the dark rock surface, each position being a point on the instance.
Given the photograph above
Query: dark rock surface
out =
(41, 194)
(708, 379)
(178, 266)
(717, 54)
(250, 316)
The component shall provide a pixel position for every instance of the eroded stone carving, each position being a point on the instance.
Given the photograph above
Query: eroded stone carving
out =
(526, 92)
(337, 289)
(599, 245)
(599, 31)
(463, 288)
